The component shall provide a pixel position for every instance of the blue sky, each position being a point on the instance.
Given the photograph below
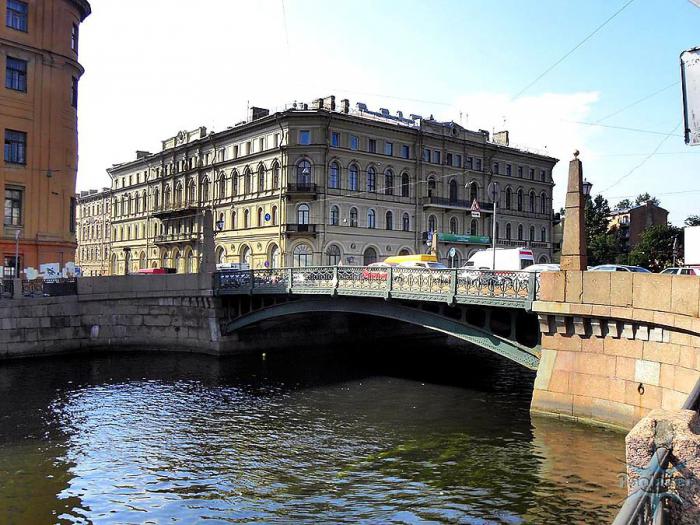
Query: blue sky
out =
(174, 67)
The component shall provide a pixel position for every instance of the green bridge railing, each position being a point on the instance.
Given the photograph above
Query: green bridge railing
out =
(452, 286)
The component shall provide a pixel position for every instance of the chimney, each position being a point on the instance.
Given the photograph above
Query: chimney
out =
(256, 113)
(142, 154)
(345, 105)
(501, 138)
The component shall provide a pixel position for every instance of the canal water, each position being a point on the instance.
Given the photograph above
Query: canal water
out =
(342, 436)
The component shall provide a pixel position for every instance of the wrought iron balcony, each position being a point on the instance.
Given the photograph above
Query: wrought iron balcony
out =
(300, 229)
(301, 187)
(166, 211)
(169, 238)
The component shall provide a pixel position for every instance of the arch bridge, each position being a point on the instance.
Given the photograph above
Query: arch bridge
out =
(489, 309)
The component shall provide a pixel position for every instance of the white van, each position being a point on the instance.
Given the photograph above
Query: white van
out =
(507, 259)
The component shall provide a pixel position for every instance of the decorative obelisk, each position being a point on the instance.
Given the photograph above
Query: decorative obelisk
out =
(573, 252)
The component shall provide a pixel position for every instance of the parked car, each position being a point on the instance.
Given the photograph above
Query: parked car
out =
(507, 259)
(618, 268)
(688, 270)
(538, 268)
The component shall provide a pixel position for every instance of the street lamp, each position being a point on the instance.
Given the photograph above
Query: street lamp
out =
(587, 188)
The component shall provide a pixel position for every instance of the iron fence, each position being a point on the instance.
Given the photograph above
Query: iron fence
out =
(452, 285)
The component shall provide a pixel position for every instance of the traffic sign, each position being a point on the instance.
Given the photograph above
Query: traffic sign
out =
(476, 211)
(494, 191)
(452, 252)
(267, 217)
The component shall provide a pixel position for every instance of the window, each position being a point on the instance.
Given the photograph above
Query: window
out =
(405, 151)
(371, 179)
(543, 175)
(371, 219)
(389, 220)
(532, 233)
(74, 38)
(405, 185)
(261, 178)
(303, 214)
(15, 147)
(352, 178)
(474, 227)
(509, 198)
(520, 200)
(478, 164)
(246, 219)
(17, 15)
(222, 186)
(13, 207)
(470, 163)
(369, 256)
(508, 231)
(304, 137)
(303, 255)
(543, 234)
(520, 172)
(335, 139)
(509, 170)
(11, 265)
(543, 203)
(16, 74)
(449, 159)
(354, 142)
(335, 215)
(274, 215)
(405, 222)
(532, 201)
(520, 232)
(261, 146)
(304, 173)
(453, 224)
(388, 182)
(275, 176)
(74, 92)
(532, 174)
(372, 145)
(426, 155)
(473, 192)
(333, 254)
(432, 223)
(453, 190)
(496, 167)
(389, 148)
(334, 176)
(458, 161)
(353, 217)
(436, 157)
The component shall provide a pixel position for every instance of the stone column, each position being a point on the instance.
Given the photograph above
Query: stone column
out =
(573, 252)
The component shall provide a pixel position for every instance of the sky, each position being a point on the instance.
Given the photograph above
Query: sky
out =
(538, 69)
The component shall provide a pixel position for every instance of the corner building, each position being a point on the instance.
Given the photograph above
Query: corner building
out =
(324, 184)
(93, 232)
(39, 42)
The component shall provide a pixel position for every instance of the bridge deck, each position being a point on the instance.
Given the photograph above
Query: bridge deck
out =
(452, 286)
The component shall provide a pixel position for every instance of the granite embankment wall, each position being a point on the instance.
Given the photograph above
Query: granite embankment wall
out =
(170, 312)
(616, 345)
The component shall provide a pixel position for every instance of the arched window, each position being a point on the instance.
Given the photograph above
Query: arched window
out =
(335, 215)
(389, 220)
(275, 259)
(233, 220)
(304, 173)
(261, 178)
(246, 219)
(205, 190)
(333, 254)
(404, 251)
(246, 181)
(352, 177)
(453, 191)
(405, 185)
(222, 186)
(520, 200)
(189, 262)
(353, 217)
(303, 214)
(260, 217)
(369, 256)
(431, 185)
(473, 192)
(334, 176)
(453, 224)
(543, 203)
(234, 182)
(388, 182)
(220, 255)
(275, 177)
(532, 201)
(371, 179)
(303, 255)
(144, 202)
(474, 227)
(520, 232)
(371, 219)
(246, 255)
(156, 199)
(274, 215)
(532, 233)
(191, 192)
(509, 198)
(405, 222)
(543, 234)
(498, 231)
(508, 231)
(432, 223)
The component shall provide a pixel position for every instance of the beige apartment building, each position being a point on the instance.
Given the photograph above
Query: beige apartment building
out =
(323, 184)
(93, 231)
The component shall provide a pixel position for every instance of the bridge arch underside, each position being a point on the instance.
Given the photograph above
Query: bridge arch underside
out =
(511, 333)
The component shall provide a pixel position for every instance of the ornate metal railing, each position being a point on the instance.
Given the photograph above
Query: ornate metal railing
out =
(455, 285)
(648, 505)
(49, 287)
(8, 288)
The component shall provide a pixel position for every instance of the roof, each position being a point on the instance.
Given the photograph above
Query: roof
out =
(84, 8)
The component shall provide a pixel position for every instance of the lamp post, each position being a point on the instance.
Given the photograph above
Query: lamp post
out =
(573, 253)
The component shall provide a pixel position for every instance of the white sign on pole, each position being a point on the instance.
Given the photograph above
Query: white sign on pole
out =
(690, 78)
(476, 211)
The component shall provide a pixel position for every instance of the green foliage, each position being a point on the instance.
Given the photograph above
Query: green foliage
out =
(603, 246)
(644, 197)
(693, 220)
(655, 247)
(623, 204)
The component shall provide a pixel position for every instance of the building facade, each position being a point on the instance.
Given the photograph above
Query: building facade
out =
(319, 184)
(38, 103)
(631, 222)
(94, 232)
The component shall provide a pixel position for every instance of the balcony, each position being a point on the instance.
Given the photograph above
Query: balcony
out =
(174, 211)
(292, 230)
(454, 204)
(174, 238)
(300, 189)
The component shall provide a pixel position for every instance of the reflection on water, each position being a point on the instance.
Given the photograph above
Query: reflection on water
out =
(346, 437)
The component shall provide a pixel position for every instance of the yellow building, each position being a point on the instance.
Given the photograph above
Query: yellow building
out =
(38, 104)
(323, 184)
(93, 232)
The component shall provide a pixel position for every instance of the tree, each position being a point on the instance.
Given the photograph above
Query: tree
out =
(644, 197)
(655, 247)
(623, 204)
(603, 245)
(693, 220)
